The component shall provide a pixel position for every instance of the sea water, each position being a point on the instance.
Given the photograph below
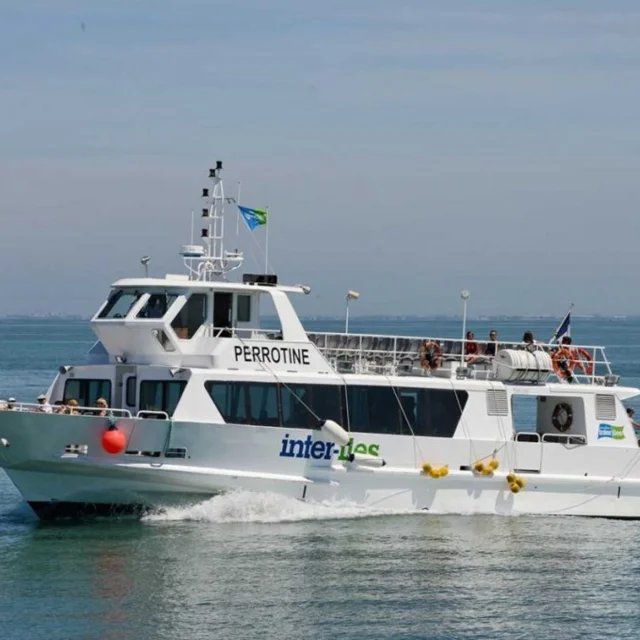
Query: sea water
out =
(246, 565)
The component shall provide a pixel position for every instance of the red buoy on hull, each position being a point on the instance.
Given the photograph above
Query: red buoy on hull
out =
(113, 440)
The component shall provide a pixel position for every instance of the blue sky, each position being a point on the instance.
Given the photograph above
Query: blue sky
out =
(406, 150)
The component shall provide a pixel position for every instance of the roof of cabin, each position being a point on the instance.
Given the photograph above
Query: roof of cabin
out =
(179, 283)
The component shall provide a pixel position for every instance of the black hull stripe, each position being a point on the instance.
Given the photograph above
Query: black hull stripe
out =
(52, 510)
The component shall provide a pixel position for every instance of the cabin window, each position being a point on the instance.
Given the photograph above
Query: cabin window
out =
(231, 400)
(86, 392)
(243, 311)
(119, 304)
(130, 395)
(246, 402)
(373, 410)
(191, 316)
(431, 412)
(274, 405)
(161, 395)
(157, 306)
(301, 403)
(423, 412)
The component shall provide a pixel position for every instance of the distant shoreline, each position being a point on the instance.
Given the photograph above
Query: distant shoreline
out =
(380, 318)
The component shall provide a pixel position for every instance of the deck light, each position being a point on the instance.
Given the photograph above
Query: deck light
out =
(351, 295)
(465, 294)
(144, 261)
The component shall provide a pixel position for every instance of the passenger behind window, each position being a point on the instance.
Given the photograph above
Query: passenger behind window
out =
(409, 418)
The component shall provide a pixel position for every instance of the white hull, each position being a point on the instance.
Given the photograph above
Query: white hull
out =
(228, 457)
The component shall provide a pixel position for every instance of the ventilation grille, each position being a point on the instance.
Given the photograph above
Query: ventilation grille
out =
(177, 452)
(497, 404)
(605, 407)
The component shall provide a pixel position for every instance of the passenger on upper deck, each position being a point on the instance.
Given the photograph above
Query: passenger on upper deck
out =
(11, 404)
(634, 424)
(528, 341)
(430, 354)
(491, 347)
(471, 350)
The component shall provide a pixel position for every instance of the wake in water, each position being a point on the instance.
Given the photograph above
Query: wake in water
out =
(247, 506)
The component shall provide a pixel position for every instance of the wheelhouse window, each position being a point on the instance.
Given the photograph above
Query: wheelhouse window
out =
(157, 306)
(191, 316)
(243, 308)
(130, 395)
(161, 395)
(86, 392)
(119, 304)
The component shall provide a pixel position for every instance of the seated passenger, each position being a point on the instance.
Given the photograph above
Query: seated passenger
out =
(102, 408)
(491, 348)
(43, 405)
(11, 404)
(58, 407)
(528, 341)
(72, 407)
(471, 350)
(430, 354)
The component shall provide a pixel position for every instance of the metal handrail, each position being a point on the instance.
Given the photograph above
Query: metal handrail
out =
(34, 407)
(394, 350)
(148, 413)
(562, 438)
(528, 434)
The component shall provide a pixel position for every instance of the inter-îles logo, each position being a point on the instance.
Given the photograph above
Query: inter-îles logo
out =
(320, 449)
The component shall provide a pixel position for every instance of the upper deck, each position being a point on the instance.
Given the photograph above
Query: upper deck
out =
(201, 319)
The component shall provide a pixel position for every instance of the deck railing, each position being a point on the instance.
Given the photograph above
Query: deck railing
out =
(370, 353)
(33, 407)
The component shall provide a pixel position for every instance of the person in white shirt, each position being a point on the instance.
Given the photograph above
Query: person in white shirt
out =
(43, 405)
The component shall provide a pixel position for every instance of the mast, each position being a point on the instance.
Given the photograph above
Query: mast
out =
(211, 261)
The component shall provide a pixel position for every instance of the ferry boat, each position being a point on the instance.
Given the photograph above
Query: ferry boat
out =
(202, 399)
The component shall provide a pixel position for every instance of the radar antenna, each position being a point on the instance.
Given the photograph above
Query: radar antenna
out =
(212, 261)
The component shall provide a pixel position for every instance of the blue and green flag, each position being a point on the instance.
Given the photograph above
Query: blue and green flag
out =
(253, 217)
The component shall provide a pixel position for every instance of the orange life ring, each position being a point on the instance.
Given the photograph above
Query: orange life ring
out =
(430, 355)
(565, 360)
(585, 361)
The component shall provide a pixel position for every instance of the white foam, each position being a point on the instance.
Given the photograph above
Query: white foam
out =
(247, 506)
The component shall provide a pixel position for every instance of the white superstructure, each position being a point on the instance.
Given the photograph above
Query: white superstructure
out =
(204, 399)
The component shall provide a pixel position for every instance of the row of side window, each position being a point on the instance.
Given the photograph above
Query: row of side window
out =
(364, 409)
(155, 395)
